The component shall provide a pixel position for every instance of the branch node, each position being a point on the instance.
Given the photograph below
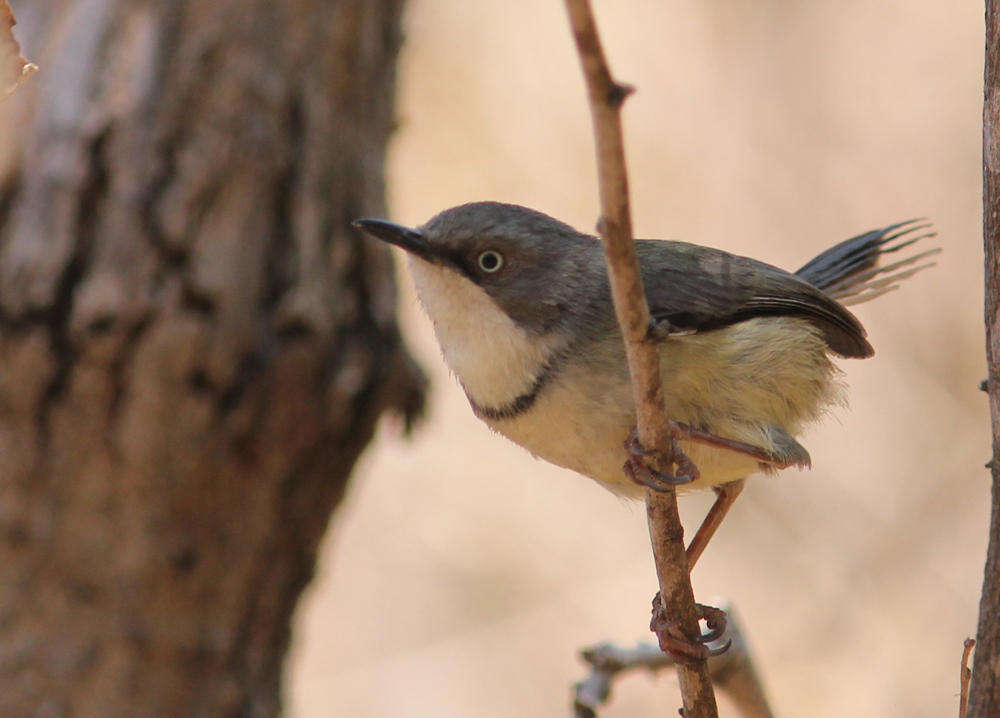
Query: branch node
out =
(618, 93)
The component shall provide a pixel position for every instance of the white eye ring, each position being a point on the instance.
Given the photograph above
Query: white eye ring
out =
(490, 261)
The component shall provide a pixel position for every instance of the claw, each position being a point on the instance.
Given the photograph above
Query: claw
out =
(681, 648)
(641, 473)
(711, 636)
(719, 650)
(685, 467)
(715, 619)
(653, 479)
(633, 447)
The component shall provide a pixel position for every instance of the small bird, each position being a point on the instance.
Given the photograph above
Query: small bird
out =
(522, 309)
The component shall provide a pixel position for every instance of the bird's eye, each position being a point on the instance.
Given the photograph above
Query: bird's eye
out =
(490, 261)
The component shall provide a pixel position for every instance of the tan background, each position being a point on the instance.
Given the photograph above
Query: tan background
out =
(461, 576)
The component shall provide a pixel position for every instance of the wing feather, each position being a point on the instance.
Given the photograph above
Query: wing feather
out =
(701, 289)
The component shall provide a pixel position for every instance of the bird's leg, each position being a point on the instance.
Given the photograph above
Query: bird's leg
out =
(689, 433)
(726, 496)
(672, 640)
(639, 470)
(677, 645)
(641, 473)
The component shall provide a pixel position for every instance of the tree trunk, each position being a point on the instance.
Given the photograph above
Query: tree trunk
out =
(194, 344)
(984, 697)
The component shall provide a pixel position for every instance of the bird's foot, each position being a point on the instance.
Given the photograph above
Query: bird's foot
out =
(677, 645)
(638, 469)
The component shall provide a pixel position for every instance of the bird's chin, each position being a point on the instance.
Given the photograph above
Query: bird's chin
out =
(441, 290)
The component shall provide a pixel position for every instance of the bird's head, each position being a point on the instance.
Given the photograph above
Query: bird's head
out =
(529, 265)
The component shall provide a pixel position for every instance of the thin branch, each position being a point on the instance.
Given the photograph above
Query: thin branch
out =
(965, 677)
(984, 696)
(14, 69)
(607, 661)
(615, 225)
(733, 672)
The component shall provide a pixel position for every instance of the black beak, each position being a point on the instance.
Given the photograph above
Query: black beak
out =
(409, 239)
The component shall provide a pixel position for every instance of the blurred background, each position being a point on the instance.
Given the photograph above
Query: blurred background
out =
(460, 576)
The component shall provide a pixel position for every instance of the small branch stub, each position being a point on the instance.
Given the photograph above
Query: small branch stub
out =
(618, 93)
(965, 677)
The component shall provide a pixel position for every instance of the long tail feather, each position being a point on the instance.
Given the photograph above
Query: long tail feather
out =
(849, 271)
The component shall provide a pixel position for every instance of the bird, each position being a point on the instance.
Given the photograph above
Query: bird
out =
(521, 307)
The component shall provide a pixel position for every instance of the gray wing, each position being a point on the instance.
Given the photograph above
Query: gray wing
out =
(699, 289)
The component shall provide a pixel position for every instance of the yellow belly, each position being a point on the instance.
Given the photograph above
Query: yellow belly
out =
(733, 382)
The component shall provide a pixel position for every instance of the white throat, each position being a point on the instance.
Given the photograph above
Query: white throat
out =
(494, 358)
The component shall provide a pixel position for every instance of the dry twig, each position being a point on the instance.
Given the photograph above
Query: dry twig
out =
(965, 677)
(615, 226)
(733, 672)
(14, 69)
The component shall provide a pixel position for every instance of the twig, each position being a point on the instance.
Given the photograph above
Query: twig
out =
(14, 69)
(606, 662)
(615, 225)
(965, 677)
(733, 672)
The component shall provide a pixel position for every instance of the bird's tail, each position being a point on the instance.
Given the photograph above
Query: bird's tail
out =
(850, 271)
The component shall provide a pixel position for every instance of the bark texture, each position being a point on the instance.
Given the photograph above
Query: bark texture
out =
(984, 698)
(194, 344)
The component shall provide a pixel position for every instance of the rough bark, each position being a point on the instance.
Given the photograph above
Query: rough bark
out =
(984, 698)
(194, 344)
